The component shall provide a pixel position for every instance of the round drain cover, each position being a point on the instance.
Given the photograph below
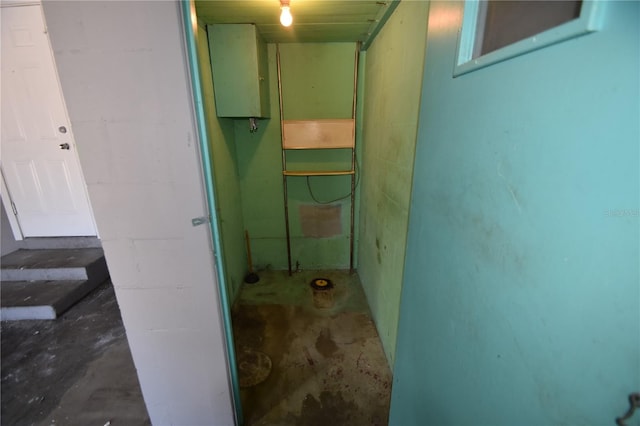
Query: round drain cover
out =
(321, 283)
(253, 367)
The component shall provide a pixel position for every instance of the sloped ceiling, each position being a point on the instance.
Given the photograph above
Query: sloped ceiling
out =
(313, 20)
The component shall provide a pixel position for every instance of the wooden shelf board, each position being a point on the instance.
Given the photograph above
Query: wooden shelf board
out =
(302, 148)
(317, 172)
(318, 134)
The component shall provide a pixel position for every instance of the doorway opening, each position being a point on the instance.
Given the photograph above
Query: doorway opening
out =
(295, 350)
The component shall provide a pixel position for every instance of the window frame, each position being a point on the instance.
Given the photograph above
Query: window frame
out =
(590, 20)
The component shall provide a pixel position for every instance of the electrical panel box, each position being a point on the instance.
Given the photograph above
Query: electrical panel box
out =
(240, 70)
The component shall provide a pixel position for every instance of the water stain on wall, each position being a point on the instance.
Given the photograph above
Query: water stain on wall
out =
(320, 221)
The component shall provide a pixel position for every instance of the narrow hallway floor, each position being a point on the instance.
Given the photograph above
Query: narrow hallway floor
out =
(75, 370)
(324, 363)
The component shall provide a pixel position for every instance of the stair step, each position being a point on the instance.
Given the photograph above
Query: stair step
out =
(44, 283)
(35, 243)
(22, 300)
(54, 264)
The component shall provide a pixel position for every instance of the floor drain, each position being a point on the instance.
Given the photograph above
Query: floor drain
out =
(322, 293)
(253, 367)
(321, 284)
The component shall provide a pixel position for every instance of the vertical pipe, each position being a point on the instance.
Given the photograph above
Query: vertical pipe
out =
(359, 144)
(284, 160)
(355, 82)
(353, 160)
(190, 28)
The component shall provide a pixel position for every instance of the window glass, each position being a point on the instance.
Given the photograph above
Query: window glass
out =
(501, 23)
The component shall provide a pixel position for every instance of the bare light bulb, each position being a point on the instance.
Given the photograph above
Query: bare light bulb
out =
(285, 17)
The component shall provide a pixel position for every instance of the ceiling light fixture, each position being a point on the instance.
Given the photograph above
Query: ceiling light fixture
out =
(285, 16)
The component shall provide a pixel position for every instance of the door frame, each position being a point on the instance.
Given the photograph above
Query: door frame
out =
(189, 23)
(5, 196)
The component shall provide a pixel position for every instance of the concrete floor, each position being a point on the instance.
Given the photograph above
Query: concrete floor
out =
(76, 370)
(327, 364)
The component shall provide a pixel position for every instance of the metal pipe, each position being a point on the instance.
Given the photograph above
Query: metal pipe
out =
(190, 28)
(353, 160)
(284, 160)
(355, 82)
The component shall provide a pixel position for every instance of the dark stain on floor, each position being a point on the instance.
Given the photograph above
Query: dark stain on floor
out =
(329, 408)
(324, 344)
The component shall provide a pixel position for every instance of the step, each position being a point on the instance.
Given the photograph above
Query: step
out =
(41, 300)
(34, 243)
(54, 264)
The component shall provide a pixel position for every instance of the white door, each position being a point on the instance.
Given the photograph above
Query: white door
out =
(39, 160)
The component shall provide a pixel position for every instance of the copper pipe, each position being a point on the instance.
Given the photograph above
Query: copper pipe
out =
(353, 159)
(284, 160)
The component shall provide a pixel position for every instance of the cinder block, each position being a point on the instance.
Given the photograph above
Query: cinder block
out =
(152, 212)
(161, 263)
(106, 205)
(181, 367)
(139, 155)
(120, 256)
(174, 263)
(149, 309)
(199, 415)
(94, 149)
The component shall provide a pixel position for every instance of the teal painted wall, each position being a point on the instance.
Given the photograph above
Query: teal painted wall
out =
(393, 77)
(222, 146)
(521, 294)
(317, 83)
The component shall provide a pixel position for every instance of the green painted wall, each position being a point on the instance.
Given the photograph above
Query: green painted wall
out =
(260, 177)
(222, 145)
(318, 83)
(521, 295)
(393, 77)
(317, 80)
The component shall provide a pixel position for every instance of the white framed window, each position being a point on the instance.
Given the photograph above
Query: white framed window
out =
(495, 30)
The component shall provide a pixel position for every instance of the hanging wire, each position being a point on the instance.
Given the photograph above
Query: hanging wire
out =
(313, 197)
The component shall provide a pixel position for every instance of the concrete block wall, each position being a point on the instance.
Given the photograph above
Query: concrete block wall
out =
(125, 80)
(390, 125)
